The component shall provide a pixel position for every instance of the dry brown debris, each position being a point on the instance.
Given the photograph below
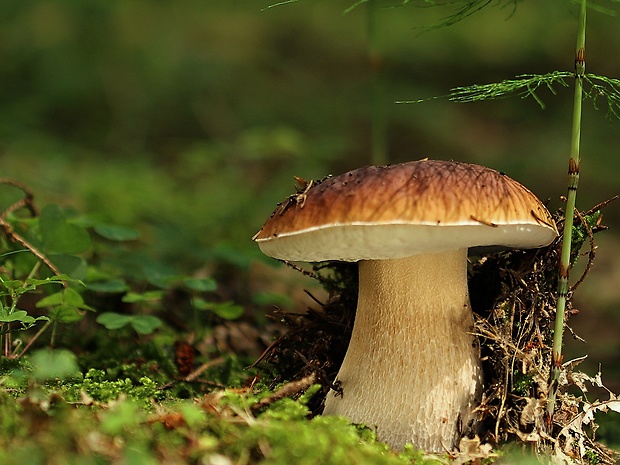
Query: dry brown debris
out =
(514, 295)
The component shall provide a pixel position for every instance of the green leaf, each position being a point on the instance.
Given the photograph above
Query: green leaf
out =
(226, 310)
(71, 297)
(148, 296)
(50, 364)
(201, 284)
(18, 315)
(117, 233)
(59, 236)
(113, 320)
(51, 217)
(160, 279)
(113, 286)
(12, 283)
(74, 267)
(52, 299)
(16, 288)
(51, 280)
(145, 324)
(142, 324)
(201, 304)
(272, 298)
(66, 314)
(67, 297)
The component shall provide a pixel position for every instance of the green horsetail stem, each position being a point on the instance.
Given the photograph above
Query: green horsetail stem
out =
(573, 181)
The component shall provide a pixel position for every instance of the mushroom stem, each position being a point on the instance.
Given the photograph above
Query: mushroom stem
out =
(412, 370)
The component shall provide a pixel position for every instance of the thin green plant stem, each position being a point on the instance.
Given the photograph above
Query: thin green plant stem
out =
(34, 270)
(378, 119)
(35, 337)
(571, 197)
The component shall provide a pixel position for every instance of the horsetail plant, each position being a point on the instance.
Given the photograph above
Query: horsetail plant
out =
(573, 182)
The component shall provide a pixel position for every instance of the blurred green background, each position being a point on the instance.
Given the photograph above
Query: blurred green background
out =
(189, 119)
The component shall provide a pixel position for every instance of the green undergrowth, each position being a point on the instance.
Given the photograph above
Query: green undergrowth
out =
(125, 402)
(103, 408)
(121, 415)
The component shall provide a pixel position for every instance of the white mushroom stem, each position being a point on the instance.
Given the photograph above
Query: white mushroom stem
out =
(412, 370)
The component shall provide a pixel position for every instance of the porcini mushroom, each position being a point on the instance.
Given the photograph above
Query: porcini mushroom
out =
(412, 369)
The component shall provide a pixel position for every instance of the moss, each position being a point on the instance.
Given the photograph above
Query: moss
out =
(130, 426)
(325, 440)
(522, 383)
(100, 388)
(592, 457)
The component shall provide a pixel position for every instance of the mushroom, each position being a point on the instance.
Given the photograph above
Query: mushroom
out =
(412, 370)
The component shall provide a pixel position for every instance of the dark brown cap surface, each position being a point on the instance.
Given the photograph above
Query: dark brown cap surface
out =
(380, 212)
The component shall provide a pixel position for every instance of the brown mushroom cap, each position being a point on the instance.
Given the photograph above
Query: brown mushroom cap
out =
(395, 211)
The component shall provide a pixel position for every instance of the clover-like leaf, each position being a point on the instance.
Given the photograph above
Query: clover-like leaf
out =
(226, 310)
(145, 324)
(112, 286)
(112, 320)
(142, 324)
(58, 235)
(117, 233)
(201, 284)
